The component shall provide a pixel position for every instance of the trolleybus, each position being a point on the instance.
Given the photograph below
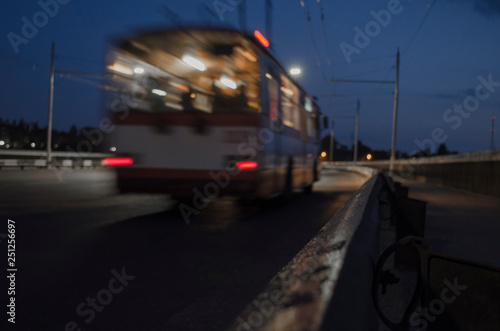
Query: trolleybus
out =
(210, 111)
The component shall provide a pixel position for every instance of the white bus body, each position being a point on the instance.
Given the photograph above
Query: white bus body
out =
(209, 109)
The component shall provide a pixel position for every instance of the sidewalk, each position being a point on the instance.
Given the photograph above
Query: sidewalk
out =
(459, 223)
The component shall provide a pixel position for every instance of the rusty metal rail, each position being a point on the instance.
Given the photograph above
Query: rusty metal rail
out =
(328, 283)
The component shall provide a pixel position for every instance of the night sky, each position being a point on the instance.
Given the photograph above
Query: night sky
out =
(446, 47)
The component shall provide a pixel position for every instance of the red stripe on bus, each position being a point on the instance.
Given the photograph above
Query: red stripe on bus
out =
(186, 174)
(210, 120)
(187, 119)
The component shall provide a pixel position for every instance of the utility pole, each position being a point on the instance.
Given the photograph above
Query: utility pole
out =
(395, 116)
(242, 11)
(332, 134)
(492, 146)
(51, 105)
(332, 140)
(269, 21)
(356, 135)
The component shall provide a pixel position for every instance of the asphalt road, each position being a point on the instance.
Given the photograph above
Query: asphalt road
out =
(88, 258)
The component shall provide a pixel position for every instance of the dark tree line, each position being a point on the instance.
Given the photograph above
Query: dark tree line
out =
(345, 153)
(30, 136)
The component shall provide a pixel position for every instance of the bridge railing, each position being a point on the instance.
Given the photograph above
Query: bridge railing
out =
(475, 172)
(38, 159)
(331, 277)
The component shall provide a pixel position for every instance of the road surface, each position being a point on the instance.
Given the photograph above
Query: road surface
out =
(88, 258)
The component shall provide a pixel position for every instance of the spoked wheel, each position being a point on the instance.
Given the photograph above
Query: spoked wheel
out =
(397, 284)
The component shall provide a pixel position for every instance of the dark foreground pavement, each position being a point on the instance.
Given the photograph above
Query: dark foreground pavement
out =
(90, 259)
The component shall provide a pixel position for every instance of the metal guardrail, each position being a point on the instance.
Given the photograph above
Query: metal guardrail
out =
(447, 292)
(37, 159)
(330, 278)
(493, 155)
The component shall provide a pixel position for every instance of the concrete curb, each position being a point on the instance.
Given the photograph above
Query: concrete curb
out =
(366, 171)
(306, 295)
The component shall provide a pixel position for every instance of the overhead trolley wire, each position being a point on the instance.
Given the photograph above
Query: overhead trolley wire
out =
(76, 59)
(20, 61)
(87, 81)
(311, 36)
(419, 26)
(325, 37)
(431, 6)
(368, 59)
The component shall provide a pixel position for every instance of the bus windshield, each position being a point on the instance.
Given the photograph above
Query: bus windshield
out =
(187, 71)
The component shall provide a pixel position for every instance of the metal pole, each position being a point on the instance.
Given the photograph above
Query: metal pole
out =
(332, 140)
(395, 116)
(51, 105)
(356, 135)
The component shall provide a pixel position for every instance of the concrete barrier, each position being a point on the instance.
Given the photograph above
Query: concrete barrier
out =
(363, 170)
(477, 172)
(40, 163)
(330, 278)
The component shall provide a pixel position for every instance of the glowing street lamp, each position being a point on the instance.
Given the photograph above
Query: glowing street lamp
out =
(295, 71)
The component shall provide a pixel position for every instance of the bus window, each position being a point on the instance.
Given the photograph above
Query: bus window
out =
(273, 99)
(308, 105)
(194, 71)
(311, 125)
(290, 98)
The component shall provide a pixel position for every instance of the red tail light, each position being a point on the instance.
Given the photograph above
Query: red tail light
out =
(246, 164)
(115, 161)
(261, 38)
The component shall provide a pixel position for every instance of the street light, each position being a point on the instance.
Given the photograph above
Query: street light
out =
(295, 71)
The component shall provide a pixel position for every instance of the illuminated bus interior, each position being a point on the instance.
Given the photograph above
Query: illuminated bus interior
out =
(188, 71)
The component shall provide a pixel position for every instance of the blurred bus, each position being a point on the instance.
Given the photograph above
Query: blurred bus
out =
(211, 111)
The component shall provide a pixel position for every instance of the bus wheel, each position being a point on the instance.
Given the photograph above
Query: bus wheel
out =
(287, 191)
(308, 189)
(315, 171)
